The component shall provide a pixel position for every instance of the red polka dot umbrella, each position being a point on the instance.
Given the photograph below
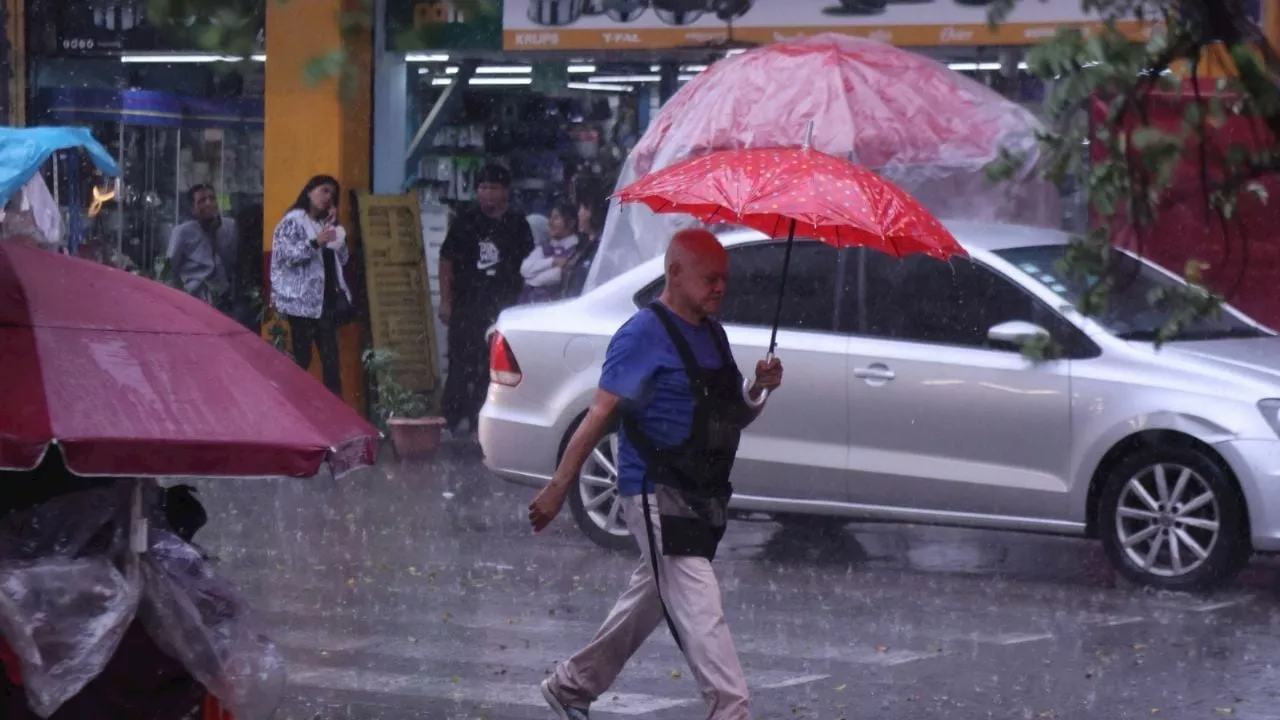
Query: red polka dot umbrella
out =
(789, 192)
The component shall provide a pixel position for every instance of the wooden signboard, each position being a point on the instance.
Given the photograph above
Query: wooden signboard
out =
(401, 314)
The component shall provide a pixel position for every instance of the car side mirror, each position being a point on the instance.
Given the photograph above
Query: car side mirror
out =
(1016, 333)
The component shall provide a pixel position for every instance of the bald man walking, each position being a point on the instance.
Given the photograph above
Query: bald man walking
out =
(670, 378)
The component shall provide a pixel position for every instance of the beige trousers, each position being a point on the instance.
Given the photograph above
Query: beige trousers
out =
(692, 596)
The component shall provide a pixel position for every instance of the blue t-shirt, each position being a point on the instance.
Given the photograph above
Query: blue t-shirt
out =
(643, 367)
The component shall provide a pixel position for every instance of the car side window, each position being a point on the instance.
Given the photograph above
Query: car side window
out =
(755, 272)
(651, 292)
(954, 302)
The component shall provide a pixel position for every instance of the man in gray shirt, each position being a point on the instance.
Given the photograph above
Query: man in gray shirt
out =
(202, 251)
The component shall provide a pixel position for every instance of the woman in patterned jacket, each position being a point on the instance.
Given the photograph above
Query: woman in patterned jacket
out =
(308, 252)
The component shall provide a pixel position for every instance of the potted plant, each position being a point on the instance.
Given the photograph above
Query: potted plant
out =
(401, 413)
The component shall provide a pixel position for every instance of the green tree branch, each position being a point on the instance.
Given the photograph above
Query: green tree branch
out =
(1129, 180)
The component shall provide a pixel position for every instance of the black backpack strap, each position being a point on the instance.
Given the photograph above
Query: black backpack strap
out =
(722, 344)
(653, 563)
(648, 449)
(691, 366)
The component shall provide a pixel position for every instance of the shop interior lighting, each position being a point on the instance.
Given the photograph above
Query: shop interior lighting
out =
(176, 58)
(970, 67)
(425, 57)
(505, 81)
(500, 81)
(599, 87)
(624, 78)
(184, 58)
(102, 197)
(581, 69)
(683, 68)
(504, 70)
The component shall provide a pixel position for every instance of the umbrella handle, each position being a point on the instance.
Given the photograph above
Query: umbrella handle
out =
(748, 383)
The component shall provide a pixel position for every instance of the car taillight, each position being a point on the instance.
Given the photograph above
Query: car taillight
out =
(503, 368)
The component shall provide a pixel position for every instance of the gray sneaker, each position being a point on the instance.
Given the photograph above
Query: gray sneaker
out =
(563, 712)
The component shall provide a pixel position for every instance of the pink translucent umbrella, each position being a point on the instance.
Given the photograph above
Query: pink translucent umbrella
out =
(881, 105)
(928, 129)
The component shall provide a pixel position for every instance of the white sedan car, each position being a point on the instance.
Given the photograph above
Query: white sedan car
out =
(907, 399)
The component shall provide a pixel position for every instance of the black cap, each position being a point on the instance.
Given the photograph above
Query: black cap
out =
(493, 173)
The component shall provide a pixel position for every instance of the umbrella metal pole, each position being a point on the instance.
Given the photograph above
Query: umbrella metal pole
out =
(782, 288)
(137, 519)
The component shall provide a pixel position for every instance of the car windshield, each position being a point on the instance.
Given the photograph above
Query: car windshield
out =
(1129, 313)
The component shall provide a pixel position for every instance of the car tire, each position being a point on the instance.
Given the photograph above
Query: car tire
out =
(594, 497)
(1192, 535)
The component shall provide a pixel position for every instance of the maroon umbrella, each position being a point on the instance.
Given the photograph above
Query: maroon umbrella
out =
(129, 377)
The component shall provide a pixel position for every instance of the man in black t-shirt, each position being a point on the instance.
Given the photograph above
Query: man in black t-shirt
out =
(479, 278)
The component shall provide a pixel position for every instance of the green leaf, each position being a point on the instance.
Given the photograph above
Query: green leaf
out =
(317, 70)
(355, 21)
(998, 11)
(391, 399)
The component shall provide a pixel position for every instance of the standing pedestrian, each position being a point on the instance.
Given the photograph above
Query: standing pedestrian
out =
(479, 278)
(248, 280)
(593, 208)
(203, 251)
(671, 379)
(543, 268)
(309, 250)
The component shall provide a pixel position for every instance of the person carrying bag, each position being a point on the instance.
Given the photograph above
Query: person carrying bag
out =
(670, 377)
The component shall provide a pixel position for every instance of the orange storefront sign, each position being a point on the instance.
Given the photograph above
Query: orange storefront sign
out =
(574, 25)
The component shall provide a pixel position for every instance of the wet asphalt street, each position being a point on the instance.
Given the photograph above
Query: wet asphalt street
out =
(419, 592)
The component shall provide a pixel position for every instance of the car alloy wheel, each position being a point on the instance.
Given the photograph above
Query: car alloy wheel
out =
(598, 488)
(1168, 520)
(1171, 516)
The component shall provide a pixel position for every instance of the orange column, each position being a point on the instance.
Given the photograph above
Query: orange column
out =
(316, 129)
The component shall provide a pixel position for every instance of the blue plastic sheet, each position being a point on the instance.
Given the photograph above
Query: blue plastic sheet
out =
(24, 150)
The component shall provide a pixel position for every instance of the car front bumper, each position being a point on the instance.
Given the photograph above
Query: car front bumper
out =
(1257, 467)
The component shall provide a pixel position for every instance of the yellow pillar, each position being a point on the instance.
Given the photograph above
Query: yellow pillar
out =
(317, 130)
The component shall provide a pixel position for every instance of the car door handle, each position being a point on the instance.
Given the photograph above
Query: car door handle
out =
(875, 372)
